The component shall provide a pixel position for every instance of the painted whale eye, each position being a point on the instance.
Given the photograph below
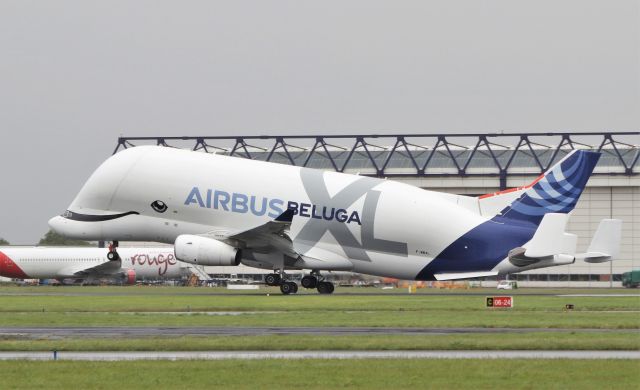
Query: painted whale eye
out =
(159, 206)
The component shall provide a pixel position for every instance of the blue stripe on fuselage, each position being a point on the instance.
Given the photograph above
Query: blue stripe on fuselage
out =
(481, 248)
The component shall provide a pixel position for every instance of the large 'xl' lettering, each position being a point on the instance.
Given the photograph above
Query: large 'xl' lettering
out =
(314, 229)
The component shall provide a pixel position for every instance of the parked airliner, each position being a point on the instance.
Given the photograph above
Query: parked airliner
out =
(90, 263)
(221, 210)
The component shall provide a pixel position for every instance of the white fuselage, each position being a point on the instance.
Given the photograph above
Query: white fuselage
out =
(401, 227)
(68, 262)
(380, 227)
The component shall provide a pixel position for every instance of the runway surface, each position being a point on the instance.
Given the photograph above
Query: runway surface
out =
(257, 331)
(253, 355)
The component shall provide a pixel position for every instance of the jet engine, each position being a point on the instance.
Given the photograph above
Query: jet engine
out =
(205, 251)
(129, 276)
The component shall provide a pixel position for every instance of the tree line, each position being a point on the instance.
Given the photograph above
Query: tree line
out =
(52, 238)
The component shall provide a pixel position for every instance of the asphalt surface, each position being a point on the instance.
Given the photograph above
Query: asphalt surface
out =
(97, 332)
(253, 355)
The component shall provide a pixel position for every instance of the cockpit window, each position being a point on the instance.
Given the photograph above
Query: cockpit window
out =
(95, 218)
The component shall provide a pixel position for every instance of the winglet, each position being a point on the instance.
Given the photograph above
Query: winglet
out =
(605, 245)
(550, 238)
(287, 216)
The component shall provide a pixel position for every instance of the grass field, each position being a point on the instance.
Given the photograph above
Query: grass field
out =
(508, 341)
(157, 306)
(352, 317)
(145, 306)
(618, 317)
(324, 374)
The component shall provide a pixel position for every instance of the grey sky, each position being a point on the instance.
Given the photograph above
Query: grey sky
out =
(76, 74)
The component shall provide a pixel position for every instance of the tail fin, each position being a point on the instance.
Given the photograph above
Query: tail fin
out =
(556, 191)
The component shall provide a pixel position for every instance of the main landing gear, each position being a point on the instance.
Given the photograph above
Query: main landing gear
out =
(325, 287)
(113, 255)
(308, 281)
(286, 287)
(272, 279)
(315, 280)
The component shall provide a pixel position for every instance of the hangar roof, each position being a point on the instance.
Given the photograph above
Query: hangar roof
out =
(422, 154)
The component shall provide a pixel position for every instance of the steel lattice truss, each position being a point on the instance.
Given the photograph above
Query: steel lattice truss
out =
(410, 155)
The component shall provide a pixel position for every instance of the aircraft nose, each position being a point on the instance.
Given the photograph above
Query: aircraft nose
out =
(63, 226)
(2, 264)
(10, 269)
(75, 229)
(57, 223)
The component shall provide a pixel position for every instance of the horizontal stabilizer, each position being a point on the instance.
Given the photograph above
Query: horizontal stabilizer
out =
(605, 245)
(550, 238)
(594, 257)
(464, 275)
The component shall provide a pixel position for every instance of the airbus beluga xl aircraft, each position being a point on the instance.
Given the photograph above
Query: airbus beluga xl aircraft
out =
(220, 211)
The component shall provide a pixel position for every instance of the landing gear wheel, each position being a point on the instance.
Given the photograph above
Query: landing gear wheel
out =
(325, 287)
(272, 280)
(288, 288)
(112, 255)
(309, 281)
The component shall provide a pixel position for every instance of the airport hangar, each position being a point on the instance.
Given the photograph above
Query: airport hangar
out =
(469, 164)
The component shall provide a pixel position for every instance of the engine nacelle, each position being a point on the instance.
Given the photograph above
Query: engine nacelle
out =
(205, 251)
(129, 276)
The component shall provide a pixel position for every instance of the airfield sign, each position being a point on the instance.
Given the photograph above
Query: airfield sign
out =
(500, 301)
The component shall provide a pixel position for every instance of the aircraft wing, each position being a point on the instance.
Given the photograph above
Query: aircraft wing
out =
(269, 236)
(106, 268)
(273, 237)
(464, 275)
(276, 226)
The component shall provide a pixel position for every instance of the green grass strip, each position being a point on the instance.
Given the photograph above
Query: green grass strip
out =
(509, 341)
(325, 374)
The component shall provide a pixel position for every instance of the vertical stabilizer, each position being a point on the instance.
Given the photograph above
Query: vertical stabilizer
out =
(556, 191)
